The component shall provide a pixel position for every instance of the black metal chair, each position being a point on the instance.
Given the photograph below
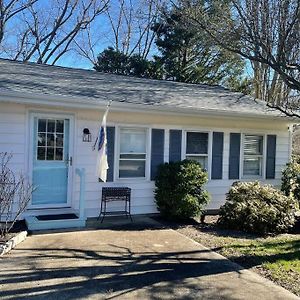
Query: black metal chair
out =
(115, 194)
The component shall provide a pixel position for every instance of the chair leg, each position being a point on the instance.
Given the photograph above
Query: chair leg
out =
(100, 211)
(126, 211)
(129, 204)
(104, 213)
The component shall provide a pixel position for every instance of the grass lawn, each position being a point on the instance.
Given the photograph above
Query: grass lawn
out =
(277, 258)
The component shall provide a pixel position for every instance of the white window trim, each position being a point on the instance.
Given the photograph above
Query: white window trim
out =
(117, 154)
(263, 156)
(209, 150)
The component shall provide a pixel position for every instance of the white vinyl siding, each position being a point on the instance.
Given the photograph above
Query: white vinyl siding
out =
(14, 139)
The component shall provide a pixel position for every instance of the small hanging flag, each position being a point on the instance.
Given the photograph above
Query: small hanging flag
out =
(101, 146)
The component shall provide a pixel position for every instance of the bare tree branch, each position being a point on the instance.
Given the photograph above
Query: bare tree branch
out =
(48, 31)
(10, 9)
(266, 32)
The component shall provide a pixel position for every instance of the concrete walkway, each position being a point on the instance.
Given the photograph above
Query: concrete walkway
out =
(126, 264)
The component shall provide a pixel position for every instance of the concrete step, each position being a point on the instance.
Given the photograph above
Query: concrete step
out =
(33, 223)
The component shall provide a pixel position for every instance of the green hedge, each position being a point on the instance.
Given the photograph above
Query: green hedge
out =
(256, 208)
(179, 192)
(290, 181)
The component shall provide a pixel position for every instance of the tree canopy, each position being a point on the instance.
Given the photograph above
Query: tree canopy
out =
(188, 55)
(185, 54)
(265, 32)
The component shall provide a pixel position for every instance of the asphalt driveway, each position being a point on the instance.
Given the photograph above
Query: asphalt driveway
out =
(126, 264)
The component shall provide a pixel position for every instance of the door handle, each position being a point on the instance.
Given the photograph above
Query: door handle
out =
(69, 161)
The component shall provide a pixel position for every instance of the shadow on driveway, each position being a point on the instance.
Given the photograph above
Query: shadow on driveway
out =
(107, 264)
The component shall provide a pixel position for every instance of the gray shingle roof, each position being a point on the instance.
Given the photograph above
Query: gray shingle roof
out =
(88, 84)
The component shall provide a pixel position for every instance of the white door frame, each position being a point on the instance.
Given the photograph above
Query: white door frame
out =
(49, 115)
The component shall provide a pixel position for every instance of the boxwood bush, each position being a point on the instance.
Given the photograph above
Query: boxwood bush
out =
(290, 181)
(179, 192)
(256, 208)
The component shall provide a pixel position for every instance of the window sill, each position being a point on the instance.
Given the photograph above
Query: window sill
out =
(253, 177)
(138, 179)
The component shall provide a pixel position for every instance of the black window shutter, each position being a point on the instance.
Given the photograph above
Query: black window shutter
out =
(234, 155)
(175, 145)
(271, 156)
(157, 150)
(217, 155)
(110, 131)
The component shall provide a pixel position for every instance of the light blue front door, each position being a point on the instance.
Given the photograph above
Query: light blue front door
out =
(50, 161)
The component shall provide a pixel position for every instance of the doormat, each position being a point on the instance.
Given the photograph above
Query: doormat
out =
(56, 217)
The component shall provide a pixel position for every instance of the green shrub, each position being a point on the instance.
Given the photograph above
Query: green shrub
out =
(179, 192)
(290, 181)
(256, 208)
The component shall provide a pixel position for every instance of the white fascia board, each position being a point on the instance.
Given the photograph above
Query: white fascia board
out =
(95, 103)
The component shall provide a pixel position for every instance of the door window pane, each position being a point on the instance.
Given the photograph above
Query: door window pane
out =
(41, 153)
(50, 140)
(59, 154)
(42, 139)
(50, 153)
(60, 126)
(51, 126)
(59, 140)
(42, 125)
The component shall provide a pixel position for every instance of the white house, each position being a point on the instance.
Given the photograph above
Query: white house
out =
(45, 109)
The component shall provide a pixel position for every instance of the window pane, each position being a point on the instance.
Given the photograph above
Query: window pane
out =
(133, 156)
(132, 140)
(59, 154)
(60, 126)
(200, 159)
(50, 154)
(50, 139)
(42, 139)
(51, 126)
(252, 166)
(42, 125)
(59, 140)
(41, 152)
(253, 144)
(132, 168)
(197, 143)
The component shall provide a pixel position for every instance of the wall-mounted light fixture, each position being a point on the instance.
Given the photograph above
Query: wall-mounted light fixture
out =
(86, 136)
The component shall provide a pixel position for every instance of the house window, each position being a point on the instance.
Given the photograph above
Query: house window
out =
(253, 155)
(197, 147)
(133, 153)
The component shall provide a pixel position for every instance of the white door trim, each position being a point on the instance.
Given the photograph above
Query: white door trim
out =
(46, 114)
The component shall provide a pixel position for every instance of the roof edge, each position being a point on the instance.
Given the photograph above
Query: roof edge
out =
(95, 103)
